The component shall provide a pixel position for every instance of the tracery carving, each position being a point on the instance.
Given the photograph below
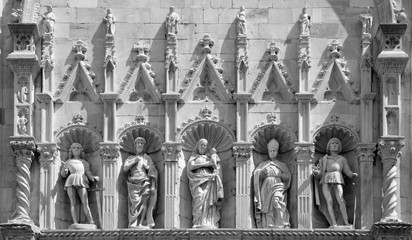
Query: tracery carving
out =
(140, 84)
(78, 82)
(273, 81)
(205, 81)
(339, 87)
(140, 128)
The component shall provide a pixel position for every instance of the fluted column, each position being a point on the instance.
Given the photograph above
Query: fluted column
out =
(243, 156)
(390, 152)
(110, 154)
(366, 156)
(49, 173)
(172, 153)
(23, 148)
(304, 157)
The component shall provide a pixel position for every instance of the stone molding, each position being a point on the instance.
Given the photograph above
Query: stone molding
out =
(172, 151)
(242, 151)
(109, 151)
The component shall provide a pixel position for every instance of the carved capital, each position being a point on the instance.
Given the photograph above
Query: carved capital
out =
(366, 152)
(48, 152)
(23, 147)
(389, 148)
(304, 152)
(392, 230)
(242, 151)
(171, 151)
(109, 151)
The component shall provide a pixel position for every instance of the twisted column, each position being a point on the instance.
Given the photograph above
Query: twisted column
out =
(390, 152)
(23, 148)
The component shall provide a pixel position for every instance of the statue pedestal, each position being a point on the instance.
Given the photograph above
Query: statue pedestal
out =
(83, 226)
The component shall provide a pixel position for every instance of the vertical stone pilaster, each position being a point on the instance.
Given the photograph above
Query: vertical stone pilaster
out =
(304, 63)
(304, 116)
(23, 148)
(170, 100)
(47, 62)
(366, 156)
(110, 64)
(172, 153)
(49, 173)
(110, 154)
(304, 156)
(242, 65)
(390, 152)
(242, 103)
(46, 116)
(243, 156)
(109, 116)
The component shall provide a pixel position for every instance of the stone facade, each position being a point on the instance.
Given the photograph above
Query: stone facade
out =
(238, 73)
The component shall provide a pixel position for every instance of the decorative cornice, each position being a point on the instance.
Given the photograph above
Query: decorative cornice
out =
(109, 151)
(172, 151)
(242, 151)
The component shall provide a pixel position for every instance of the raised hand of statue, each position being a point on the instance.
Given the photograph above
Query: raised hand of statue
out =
(315, 170)
(96, 178)
(354, 175)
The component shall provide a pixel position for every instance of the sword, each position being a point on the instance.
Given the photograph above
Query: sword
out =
(97, 191)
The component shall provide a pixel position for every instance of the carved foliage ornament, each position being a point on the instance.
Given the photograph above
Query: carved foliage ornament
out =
(242, 151)
(109, 152)
(390, 149)
(23, 148)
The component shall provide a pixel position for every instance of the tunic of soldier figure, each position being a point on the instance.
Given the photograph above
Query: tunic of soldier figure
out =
(142, 187)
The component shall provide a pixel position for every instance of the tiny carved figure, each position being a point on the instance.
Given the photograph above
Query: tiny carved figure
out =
(172, 21)
(110, 22)
(241, 21)
(329, 170)
(48, 21)
(22, 94)
(142, 187)
(366, 19)
(205, 183)
(17, 11)
(305, 22)
(21, 125)
(271, 180)
(77, 171)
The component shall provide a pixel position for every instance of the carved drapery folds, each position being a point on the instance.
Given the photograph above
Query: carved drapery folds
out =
(23, 148)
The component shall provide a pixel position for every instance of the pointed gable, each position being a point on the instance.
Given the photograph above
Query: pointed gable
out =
(271, 84)
(334, 86)
(78, 82)
(139, 84)
(206, 83)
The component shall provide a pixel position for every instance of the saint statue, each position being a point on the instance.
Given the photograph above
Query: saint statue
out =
(77, 171)
(329, 171)
(305, 22)
(241, 21)
(172, 20)
(271, 180)
(48, 21)
(366, 19)
(110, 21)
(142, 187)
(205, 183)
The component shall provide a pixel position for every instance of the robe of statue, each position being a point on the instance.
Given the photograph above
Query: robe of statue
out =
(269, 196)
(207, 192)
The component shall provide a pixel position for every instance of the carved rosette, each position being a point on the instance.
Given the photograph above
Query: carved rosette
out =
(109, 152)
(48, 152)
(171, 151)
(23, 149)
(242, 151)
(390, 152)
